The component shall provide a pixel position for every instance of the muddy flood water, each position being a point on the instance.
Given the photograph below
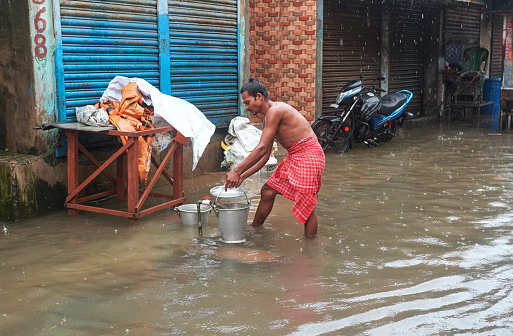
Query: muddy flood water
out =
(415, 238)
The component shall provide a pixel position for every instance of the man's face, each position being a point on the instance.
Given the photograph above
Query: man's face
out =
(252, 105)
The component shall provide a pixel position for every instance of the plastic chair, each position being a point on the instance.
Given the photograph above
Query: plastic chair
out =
(473, 59)
(476, 59)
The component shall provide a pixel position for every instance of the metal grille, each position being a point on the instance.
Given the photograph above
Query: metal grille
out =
(351, 43)
(102, 39)
(496, 59)
(406, 70)
(204, 56)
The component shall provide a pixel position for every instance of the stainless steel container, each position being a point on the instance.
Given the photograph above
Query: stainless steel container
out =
(232, 218)
(188, 214)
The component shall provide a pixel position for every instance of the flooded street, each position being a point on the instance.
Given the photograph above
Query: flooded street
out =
(415, 238)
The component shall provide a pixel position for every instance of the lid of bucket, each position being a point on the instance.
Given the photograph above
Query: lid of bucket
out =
(231, 192)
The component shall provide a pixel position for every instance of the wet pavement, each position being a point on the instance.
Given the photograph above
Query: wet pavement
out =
(415, 238)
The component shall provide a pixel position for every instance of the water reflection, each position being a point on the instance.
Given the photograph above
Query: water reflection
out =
(414, 238)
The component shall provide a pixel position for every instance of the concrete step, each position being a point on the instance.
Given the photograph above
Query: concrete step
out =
(29, 186)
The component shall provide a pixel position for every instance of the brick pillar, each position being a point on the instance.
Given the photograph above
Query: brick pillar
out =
(283, 49)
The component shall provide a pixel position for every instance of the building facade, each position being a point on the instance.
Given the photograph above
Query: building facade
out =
(57, 55)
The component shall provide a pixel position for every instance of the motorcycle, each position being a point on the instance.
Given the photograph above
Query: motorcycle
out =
(360, 115)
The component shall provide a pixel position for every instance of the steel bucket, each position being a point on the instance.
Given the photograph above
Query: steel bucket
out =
(188, 214)
(233, 219)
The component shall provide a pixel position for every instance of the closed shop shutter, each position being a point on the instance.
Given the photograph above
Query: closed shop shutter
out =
(204, 56)
(406, 69)
(496, 54)
(351, 43)
(463, 25)
(102, 39)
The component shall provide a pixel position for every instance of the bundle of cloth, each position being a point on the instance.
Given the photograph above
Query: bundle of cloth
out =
(135, 105)
(132, 114)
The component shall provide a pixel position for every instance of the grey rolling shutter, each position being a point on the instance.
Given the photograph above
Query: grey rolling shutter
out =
(351, 42)
(496, 56)
(204, 56)
(406, 70)
(463, 25)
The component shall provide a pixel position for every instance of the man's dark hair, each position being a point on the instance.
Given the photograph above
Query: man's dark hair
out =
(254, 86)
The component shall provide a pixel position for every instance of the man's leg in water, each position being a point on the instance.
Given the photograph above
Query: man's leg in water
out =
(267, 197)
(311, 225)
(265, 206)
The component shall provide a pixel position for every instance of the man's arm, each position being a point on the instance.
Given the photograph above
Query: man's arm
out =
(254, 168)
(259, 155)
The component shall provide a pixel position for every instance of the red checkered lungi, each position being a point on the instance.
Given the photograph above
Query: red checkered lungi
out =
(298, 177)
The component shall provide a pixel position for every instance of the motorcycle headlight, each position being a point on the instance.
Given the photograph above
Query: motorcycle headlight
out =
(344, 94)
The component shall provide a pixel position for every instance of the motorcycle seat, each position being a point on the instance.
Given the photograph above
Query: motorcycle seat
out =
(391, 102)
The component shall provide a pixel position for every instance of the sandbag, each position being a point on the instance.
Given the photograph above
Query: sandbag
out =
(242, 138)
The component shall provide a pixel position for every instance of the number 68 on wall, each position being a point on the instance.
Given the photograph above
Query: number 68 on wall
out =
(40, 48)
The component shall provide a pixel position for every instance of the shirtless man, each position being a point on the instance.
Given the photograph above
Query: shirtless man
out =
(298, 177)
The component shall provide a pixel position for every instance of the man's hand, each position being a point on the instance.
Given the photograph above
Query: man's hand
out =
(232, 180)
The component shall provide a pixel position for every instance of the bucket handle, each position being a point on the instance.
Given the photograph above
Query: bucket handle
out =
(177, 211)
(222, 191)
(215, 203)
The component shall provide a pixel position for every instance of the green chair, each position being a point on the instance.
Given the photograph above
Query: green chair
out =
(475, 59)
(468, 86)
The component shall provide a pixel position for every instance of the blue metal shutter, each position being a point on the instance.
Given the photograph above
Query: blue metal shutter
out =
(102, 39)
(204, 56)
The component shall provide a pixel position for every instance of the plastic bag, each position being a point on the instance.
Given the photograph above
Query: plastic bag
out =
(161, 142)
(92, 116)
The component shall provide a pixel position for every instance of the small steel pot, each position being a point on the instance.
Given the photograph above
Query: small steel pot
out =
(188, 214)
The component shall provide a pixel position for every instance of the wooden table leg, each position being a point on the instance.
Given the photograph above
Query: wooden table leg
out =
(133, 178)
(178, 172)
(120, 176)
(72, 136)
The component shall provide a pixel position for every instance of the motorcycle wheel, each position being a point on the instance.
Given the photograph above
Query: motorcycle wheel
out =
(324, 129)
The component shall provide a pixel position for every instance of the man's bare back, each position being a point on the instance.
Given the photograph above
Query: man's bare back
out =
(281, 122)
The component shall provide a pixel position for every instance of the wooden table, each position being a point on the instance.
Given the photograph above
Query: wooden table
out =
(127, 178)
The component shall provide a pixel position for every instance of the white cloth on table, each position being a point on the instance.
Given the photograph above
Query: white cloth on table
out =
(182, 115)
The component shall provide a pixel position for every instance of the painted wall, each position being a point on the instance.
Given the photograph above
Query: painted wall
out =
(43, 58)
(16, 79)
(283, 51)
(26, 76)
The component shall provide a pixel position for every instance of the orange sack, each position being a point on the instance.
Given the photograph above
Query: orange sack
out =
(130, 115)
